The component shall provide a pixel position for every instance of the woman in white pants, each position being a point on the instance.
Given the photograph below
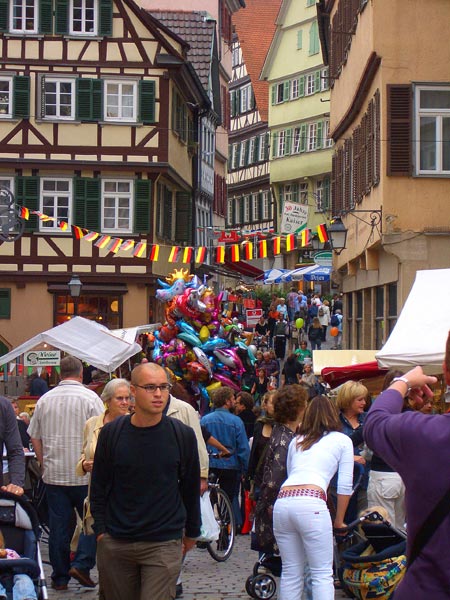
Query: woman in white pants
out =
(302, 522)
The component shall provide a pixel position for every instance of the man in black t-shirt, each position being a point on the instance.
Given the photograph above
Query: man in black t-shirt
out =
(145, 494)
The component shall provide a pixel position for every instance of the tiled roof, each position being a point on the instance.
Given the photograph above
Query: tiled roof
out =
(255, 27)
(196, 28)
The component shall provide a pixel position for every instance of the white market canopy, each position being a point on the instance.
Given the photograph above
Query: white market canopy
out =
(87, 340)
(421, 332)
(310, 273)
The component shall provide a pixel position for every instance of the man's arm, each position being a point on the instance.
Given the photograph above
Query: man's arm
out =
(242, 446)
(14, 450)
(189, 488)
(38, 449)
(101, 482)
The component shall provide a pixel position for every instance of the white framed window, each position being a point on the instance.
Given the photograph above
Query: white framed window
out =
(242, 155)
(432, 108)
(310, 84)
(255, 207)
(281, 145)
(246, 95)
(235, 56)
(296, 140)
(117, 205)
(280, 93)
(59, 99)
(120, 99)
(83, 17)
(295, 89)
(289, 192)
(263, 146)
(5, 182)
(322, 194)
(251, 150)
(265, 206)
(24, 16)
(6, 97)
(246, 201)
(303, 192)
(312, 137)
(325, 79)
(327, 141)
(56, 197)
(234, 156)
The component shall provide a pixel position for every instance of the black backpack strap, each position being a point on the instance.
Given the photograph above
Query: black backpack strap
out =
(423, 536)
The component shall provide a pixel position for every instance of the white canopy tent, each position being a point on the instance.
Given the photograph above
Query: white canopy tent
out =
(87, 340)
(421, 331)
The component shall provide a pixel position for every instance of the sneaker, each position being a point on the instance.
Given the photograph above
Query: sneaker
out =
(178, 590)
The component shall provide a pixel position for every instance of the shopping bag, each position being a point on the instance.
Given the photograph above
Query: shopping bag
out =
(88, 519)
(210, 529)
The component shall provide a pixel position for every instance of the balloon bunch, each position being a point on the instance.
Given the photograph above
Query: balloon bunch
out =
(196, 342)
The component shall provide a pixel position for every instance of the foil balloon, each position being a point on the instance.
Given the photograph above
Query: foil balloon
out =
(197, 371)
(229, 357)
(204, 333)
(212, 387)
(203, 359)
(213, 343)
(186, 328)
(167, 332)
(227, 381)
(172, 291)
(191, 339)
(252, 349)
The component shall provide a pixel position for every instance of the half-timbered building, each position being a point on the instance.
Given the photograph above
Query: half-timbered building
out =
(96, 114)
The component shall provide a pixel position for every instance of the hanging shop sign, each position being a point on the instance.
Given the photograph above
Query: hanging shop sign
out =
(294, 217)
(42, 358)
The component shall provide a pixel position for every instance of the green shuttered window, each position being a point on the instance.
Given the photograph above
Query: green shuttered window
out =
(21, 97)
(27, 194)
(5, 303)
(143, 198)
(147, 101)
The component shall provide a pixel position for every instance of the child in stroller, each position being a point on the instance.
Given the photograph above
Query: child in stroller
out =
(21, 573)
(373, 567)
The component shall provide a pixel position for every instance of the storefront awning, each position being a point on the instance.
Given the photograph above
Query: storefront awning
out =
(244, 268)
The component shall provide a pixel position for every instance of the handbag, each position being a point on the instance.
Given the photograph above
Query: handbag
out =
(210, 530)
(88, 519)
(438, 514)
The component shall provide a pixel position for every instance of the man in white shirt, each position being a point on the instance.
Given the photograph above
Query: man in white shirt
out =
(56, 432)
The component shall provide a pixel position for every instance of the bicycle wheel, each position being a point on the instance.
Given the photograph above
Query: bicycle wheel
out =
(221, 549)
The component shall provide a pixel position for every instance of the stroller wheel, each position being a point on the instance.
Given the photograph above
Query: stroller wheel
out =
(248, 586)
(263, 586)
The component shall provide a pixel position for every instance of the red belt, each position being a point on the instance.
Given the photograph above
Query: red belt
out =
(286, 493)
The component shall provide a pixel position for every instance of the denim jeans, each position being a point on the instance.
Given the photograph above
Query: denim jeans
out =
(62, 500)
(302, 528)
(23, 588)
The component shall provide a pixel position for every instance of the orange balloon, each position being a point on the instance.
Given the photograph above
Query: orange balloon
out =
(334, 331)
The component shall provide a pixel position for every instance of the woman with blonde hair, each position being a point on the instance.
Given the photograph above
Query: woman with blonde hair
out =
(302, 522)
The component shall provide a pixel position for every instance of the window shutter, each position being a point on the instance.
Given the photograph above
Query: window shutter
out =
(312, 38)
(241, 209)
(21, 97)
(303, 130)
(45, 16)
(4, 15)
(301, 86)
(147, 101)
(288, 142)
(168, 213)
(260, 206)
(5, 304)
(399, 123)
(274, 94)
(274, 145)
(97, 99)
(183, 224)
(27, 194)
(326, 194)
(376, 173)
(319, 140)
(89, 99)
(62, 17)
(299, 39)
(142, 205)
(317, 81)
(247, 153)
(232, 102)
(105, 17)
(286, 90)
(87, 193)
(238, 155)
(256, 150)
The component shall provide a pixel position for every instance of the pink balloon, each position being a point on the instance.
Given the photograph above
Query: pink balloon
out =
(226, 381)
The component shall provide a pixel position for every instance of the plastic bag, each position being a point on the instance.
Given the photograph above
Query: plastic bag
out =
(210, 529)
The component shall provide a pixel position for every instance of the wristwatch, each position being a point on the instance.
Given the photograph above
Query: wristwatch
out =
(408, 385)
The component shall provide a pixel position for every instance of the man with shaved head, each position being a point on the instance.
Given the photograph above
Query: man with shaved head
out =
(145, 494)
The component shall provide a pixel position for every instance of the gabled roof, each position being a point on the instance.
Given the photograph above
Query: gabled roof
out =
(255, 26)
(198, 30)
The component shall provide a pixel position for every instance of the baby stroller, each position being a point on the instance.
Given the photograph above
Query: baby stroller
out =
(21, 530)
(261, 584)
(374, 566)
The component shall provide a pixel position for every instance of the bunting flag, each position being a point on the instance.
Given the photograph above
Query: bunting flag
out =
(200, 255)
(173, 255)
(91, 236)
(322, 232)
(103, 241)
(187, 255)
(220, 254)
(235, 253)
(127, 245)
(63, 226)
(154, 253)
(248, 249)
(277, 245)
(24, 213)
(263, 249)
(140, 249)
(115, 246)
(290, 242)
(43, 217)
(305, 237)
(78, 232)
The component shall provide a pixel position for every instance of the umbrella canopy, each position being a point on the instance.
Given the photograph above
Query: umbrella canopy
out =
(274, 276)
(311, 273)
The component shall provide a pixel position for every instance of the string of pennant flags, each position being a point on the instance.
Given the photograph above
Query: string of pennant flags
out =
(247, 249)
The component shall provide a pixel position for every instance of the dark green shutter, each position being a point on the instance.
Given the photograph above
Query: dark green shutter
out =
(106, 17)
(319, 135)
(286, 86)
(274, 144)
(89, 99)
(147, 101)
(260, 206)
(317, 81)
(4, 14)
(303, 132)
(256, 150)
(62, 17)
(247, 153)
(21, 97)
(241, 210)
(27, 194)
(287, 142)
(87, 203)
(326, 194)
(142, 205)
(183, 223)
(301, 86)
(274, 94)
(5, 303)
(45, 16)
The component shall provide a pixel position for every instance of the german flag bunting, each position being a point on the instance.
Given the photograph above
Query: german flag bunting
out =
(127, 245)
(154, 253)
(220, 254)
(140, 249)
(200, 255)
(173, 255)
(322, 232)
(115, 246)
(103, 241)
(91, 236)
(78, 232)
(290, 242)
(187, 254)
(248, 251)
(277, 245)
(24, 213)
(305, 237)
(63, 226)
(235, 253)
(263, 249)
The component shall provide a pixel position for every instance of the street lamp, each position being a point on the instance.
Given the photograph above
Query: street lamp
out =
(75, 291)
(338, 235)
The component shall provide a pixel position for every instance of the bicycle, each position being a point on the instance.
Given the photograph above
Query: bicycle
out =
(221, 549)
